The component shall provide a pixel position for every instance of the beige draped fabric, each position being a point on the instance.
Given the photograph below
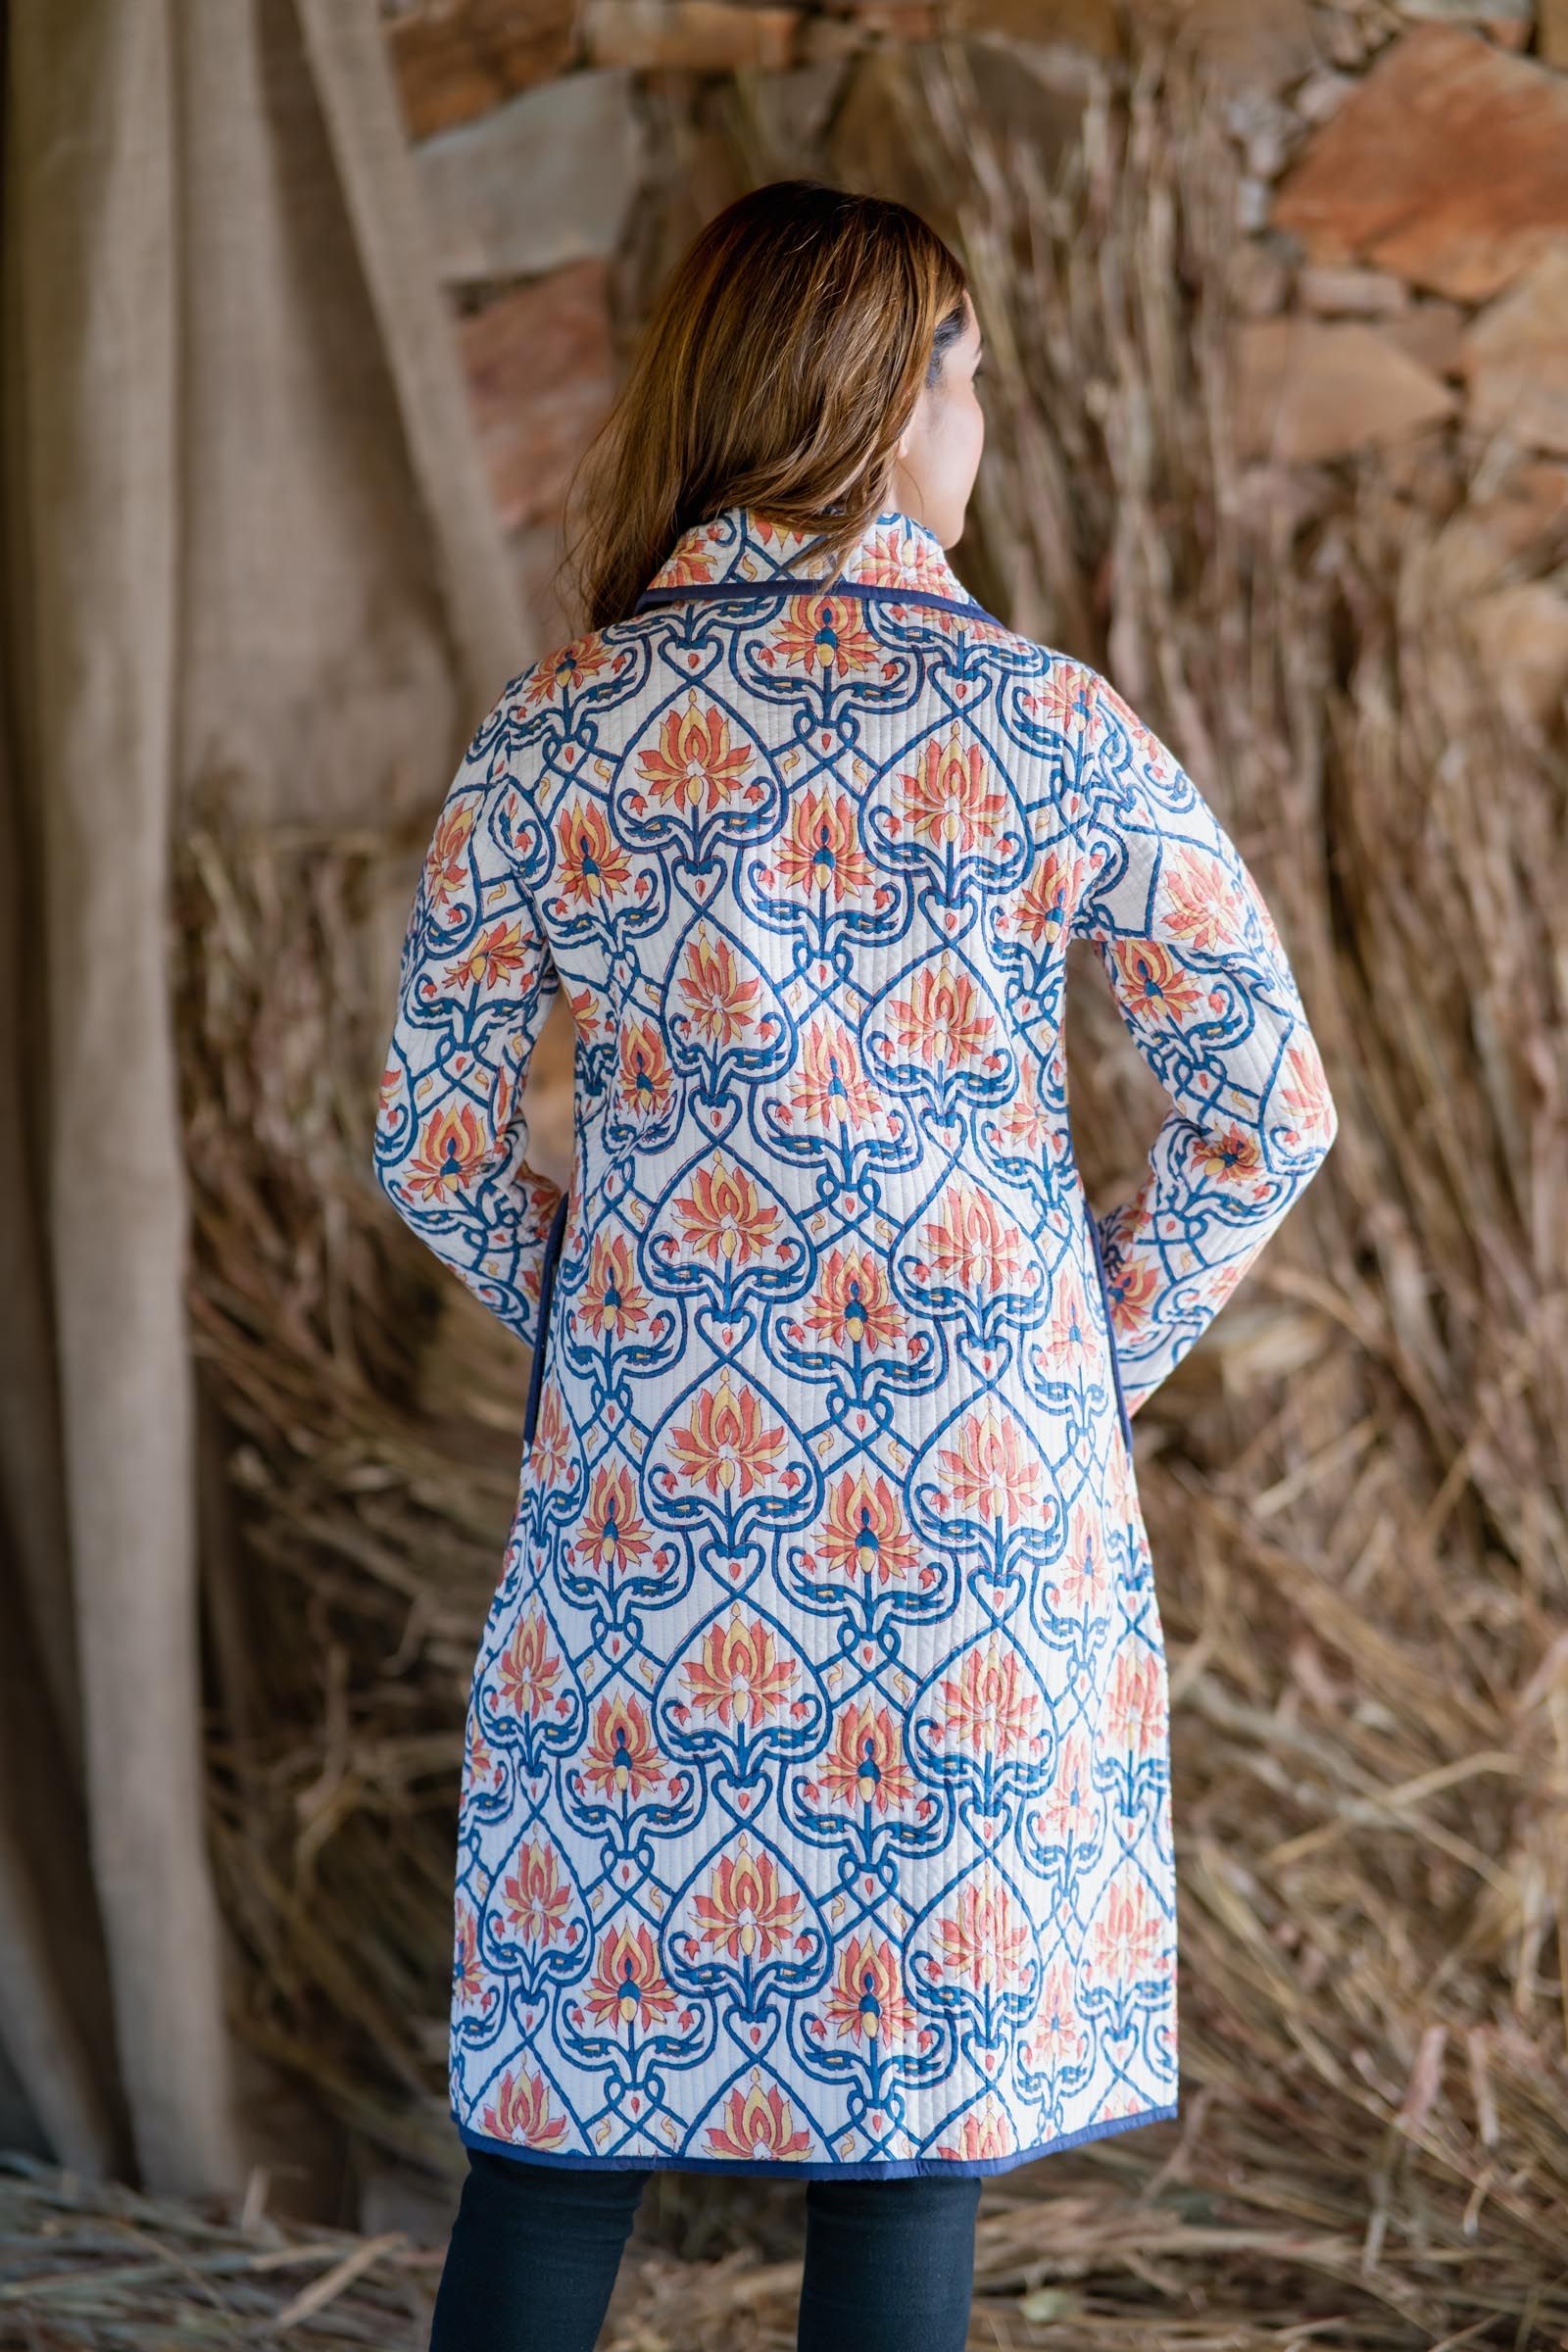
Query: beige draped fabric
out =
(248, 539)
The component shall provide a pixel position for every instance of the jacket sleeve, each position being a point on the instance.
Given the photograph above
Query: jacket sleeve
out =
(474, 988)
(1202, 984)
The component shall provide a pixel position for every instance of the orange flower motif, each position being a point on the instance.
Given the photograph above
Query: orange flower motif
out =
(1134, 1291)
(493, 959)
(981, 2137)
(745, 1912)
(866, 2001)
(1232, 1156)
(572, 667)
(989, 1706)
(696, 762)
(1199, 901)
(1056, 2040)
(694, 560)
(478, 1758)
(621, 1758)
(1305, 1090)
(1129, 1941)
(852, 1303)
(758, 2124)
(1068, 1814)
(1136, 1708)
(828, 1087)
(947, 801)
(549, 1455)
(453, 1150)
(723, 1006)
(588, 1011)
(893, 553)
(1043, 907)
(611, 1300)
(529, 1671)
(628, 1987)
(821, 848)
(467, 1980)
(446, 860)
(591, 865)
(972, 1245)
(822, 633)
(1027, 1122)
(987, 1941)
(866, 1764)
(537, 1899)
(1084, 1581)
(991, 1476)
(725, 1443)
(1154, 985)
(723, 1215)
(1067, 1332)
(645, 1078)
(615, 1538)
(1061, 696)
(941, 1019)
(864, 1532)
(520, 2112)
(738, 1673)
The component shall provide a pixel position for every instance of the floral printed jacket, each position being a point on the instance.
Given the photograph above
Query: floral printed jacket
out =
(815, 1800)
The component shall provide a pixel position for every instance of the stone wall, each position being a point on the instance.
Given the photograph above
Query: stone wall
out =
(1402, 246)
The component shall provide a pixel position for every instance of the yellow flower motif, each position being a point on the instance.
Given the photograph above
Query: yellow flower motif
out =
(744, 1911)
(990, 1475)
(822, 852)
(864, 1532)
(622, 1760)
(987, 1940)
(721, 1003)
(942, 1019)
(852, 1304)
(452, 1152)
(759, 2126)
(828, 1087)
(866, 2001)
(738, 1675)
(591, 865)
(696, 763)
(945, 801)
(725, 1446)
(723, 1214)
(822, 633)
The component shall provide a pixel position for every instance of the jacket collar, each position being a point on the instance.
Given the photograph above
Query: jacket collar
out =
(742, 548)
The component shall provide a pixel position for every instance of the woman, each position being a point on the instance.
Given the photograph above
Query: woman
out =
(814, 1816)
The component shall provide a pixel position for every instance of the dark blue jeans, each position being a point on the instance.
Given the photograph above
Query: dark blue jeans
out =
(535, 2249)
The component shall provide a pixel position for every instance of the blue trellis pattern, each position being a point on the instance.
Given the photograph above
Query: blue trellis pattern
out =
(815, 1808)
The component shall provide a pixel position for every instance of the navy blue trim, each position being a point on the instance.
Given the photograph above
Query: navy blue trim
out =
(894, 2167)
(546, 1285)
(786, 584)
(1110, 1327)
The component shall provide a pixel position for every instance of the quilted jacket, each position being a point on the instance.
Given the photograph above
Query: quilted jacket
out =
(815, 1803)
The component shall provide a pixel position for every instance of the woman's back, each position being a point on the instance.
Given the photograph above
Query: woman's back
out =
(815, 1814)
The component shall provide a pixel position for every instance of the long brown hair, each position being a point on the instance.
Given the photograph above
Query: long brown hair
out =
(781, 361)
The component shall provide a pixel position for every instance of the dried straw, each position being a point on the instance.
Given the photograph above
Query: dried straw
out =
(94, 2263)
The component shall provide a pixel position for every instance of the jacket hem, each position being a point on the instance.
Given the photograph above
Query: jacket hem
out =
(892, 2168)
